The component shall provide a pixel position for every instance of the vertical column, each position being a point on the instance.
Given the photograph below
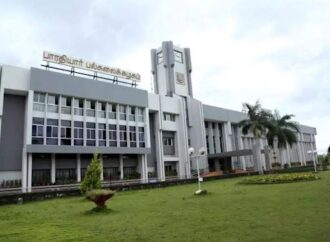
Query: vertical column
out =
(78, 168)
(302, 149)
(227, 136)
(101, 161)
(24, 170)
(217, 138)
(147, 127)
(210, 137)
(121, 165)
(241, 147)
(53, 169)
(128, 112)
(117, 125)
(29, 173)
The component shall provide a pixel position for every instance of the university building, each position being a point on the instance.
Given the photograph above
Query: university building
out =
(52, 121)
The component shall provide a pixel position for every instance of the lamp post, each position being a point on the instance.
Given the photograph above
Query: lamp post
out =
(201, 153)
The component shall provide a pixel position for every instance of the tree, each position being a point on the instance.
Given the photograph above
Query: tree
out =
(329, 150)
(257, 124)
(281, 131)
(92, 178)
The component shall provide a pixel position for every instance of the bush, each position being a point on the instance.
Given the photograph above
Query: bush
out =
(276, 164)
(92, 179)
(280, 178)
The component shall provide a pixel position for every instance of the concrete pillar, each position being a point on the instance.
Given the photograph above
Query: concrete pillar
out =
(78, 168)
(24, 171)
(121, 166)
(53, 169)
(101, 161)
(241, 147)
(217, 165)
(143, 168)
(217, 139)
(29, 173)
(227, 136)
(210, 138)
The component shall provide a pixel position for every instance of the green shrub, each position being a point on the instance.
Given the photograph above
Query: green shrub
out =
(276, 164)
(92, 179)
(280, 178)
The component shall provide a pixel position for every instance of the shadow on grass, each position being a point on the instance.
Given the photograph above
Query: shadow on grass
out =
(99, 211)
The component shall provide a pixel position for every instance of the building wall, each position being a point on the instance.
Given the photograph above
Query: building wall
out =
(11, 142)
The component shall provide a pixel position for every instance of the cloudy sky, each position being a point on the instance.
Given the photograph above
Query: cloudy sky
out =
(274, 51)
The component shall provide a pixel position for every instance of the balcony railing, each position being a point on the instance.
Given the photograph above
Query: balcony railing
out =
(79, 111)
(101, 114)
(52, 108)
(90, 112)
(39, 107)
(112, 115)
(66, 110)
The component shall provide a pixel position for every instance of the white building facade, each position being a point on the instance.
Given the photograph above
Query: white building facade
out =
(51, 123)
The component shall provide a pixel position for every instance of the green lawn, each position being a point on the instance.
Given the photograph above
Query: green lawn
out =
(230, 212)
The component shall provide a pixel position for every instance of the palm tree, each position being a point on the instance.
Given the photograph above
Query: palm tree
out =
(257, 124)
(281, 131)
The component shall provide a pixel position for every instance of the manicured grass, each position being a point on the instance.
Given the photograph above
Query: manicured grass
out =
(230, 212)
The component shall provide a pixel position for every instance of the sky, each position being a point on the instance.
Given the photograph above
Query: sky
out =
(277, 52)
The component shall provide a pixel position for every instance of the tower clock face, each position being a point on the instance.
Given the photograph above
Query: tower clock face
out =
(180, 78)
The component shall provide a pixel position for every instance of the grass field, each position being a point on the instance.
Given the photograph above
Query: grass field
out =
(230, 212)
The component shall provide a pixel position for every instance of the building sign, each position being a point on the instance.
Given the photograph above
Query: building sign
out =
(180, 78)
(90, 66)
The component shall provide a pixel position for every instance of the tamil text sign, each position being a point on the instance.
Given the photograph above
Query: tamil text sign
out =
(90, 66)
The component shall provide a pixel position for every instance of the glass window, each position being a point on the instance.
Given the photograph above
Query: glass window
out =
(90, 129)
(122, 112)
(65, 132)
(178, 57)
(102, 134)
(169, 117)
(122, 136)
(52, 132)
(78, 133)
(112, 135)
(132, 136)
(141, 137)
(160, 57)
(37, 131)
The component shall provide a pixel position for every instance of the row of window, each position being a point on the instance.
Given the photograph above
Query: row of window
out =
(178, 57)
(169, 117)
(51, 133)
(81, 107)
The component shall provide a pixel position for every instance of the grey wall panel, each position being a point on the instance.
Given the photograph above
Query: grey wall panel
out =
(66, 161)
(111, 161)
(12, 133)
(84, 150)
(41, 161)
(54, 82)
(222, 115)
(152, 160)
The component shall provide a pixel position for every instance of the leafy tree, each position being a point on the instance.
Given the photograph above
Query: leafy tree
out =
(257, 124)
(329, 150)
(92, 178)
(281, 129)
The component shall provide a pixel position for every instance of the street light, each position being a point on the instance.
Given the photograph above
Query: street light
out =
(314, 162)
(201, 153)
